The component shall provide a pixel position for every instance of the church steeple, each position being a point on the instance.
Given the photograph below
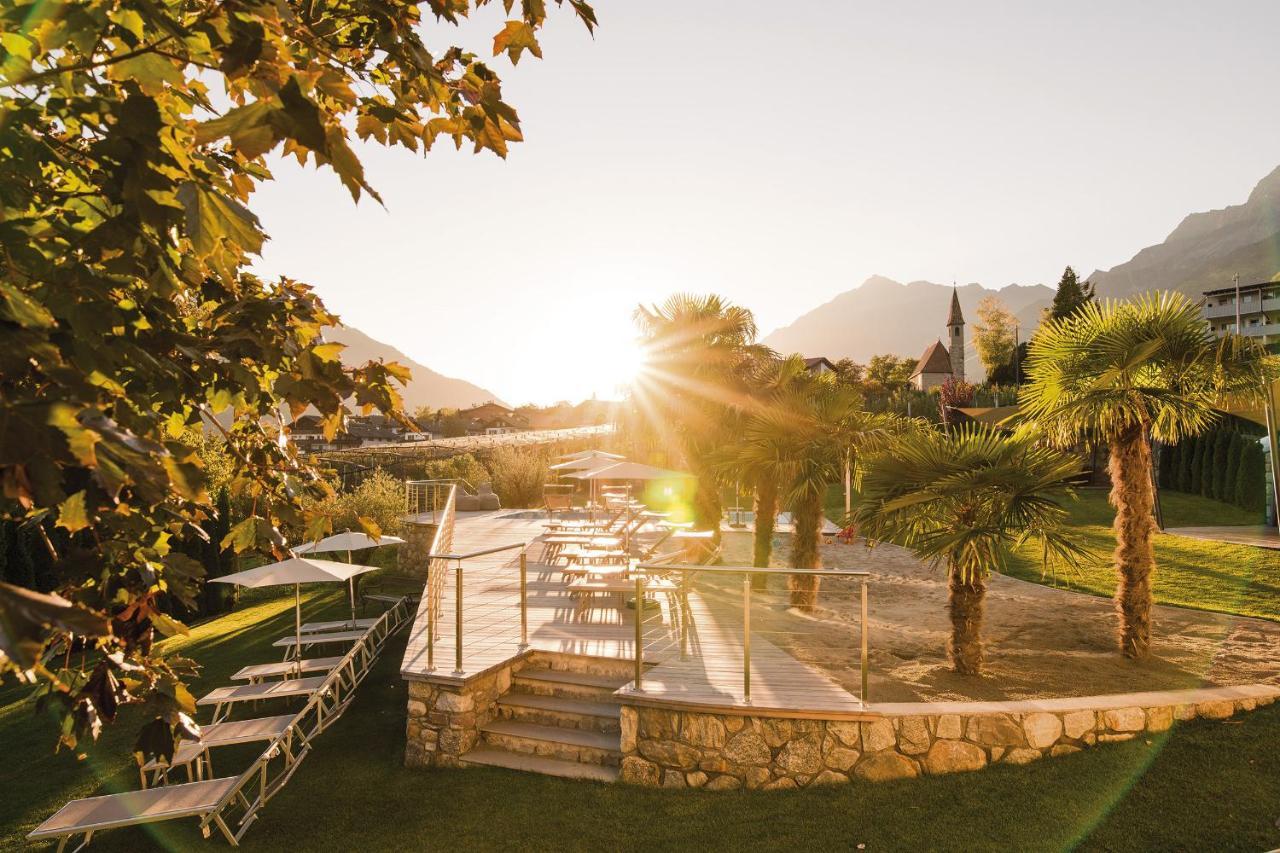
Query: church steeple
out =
(955, 335)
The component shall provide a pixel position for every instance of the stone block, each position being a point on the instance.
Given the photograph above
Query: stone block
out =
(786, 783)
(702, 730)
(774, 732)
(885, 765)
(829, 777)
(840, 758)
(627, 723)
(673, 779)
(1117, 737)
(878, 735)
(658, 724)
(637, 771)
(1063, 749)
(747, 747)
(1124, 720)
(454, 702)
(995, 730)
(756, 777)
(1021, 755)
(800, 756)
(953, 756)
(1076, 723)
(417, 708)
(845, 732)
(1041, 729)
(724, 783)
(669, 753)
(695, 779)
(949, 727)
(1182, 713)
(1246, 704)
(1216, 710)
(1159, 719)
(913, 735)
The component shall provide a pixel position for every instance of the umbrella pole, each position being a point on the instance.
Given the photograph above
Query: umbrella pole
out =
(297, 627)
(351, 587)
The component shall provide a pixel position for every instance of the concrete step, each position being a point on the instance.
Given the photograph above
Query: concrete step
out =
(538, 764)
(560, 711)
(587, 747)
(559, 682)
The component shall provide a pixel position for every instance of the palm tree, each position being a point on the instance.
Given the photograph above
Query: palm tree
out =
(1121, 374)
(699, 351)
(964, 498)
(797, 440)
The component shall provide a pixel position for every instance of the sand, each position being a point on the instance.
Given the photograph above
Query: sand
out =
(1040, 641)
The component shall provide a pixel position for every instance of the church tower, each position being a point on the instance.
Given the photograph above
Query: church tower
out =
(955, 336)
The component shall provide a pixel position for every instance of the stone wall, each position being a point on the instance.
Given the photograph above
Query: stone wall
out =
(413, 557)
(445, 719)
(721, 751)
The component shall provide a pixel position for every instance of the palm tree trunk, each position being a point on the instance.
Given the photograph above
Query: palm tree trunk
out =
(1132, 496)
(766, 511)
(965, 604)
(707, 511)
(807, 516)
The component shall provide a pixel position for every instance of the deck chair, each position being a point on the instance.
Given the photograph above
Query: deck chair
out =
(223, 699)
(193, 755)
(257, 672)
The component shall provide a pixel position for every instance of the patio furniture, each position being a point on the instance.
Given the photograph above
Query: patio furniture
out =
(223, 699)
(193, 755)
(285, 669)
(294, 646)
(338, 625)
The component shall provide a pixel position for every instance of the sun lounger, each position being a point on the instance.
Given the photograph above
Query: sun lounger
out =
(285, 669)
(85, 817)
(193, 755)
(223, 698)
(291, 645)
(337, 625)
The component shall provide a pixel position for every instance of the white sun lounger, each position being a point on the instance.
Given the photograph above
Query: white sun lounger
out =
(285, 669)
(193, 755)
(337, 625)
(289, 642)
(223, 698)
(87, 816)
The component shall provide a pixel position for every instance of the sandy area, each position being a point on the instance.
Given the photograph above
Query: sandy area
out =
(1040, 641)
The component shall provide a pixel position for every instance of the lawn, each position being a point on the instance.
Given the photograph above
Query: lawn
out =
(1205, 786)
(1189, 572)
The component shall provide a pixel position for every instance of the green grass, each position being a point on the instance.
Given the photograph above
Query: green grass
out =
(1192, 573)
(1204, 786)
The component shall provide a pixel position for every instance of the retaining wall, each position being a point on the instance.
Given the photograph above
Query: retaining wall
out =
(733, 748)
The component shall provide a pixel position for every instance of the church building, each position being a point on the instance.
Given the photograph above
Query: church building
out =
(938, 364)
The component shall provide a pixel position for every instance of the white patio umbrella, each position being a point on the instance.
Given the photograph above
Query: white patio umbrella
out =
(347, 541)
(595, 460)
(627, 471)
(587, 454)
(296, 571)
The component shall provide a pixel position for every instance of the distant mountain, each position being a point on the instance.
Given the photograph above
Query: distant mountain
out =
(885, 316)
(426, 388)
(1207, 249)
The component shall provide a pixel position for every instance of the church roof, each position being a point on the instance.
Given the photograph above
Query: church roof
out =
(955, 318)
(936, 359)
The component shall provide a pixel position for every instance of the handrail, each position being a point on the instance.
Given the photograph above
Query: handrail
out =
(746, 571)
(480, 553)
(755, 570)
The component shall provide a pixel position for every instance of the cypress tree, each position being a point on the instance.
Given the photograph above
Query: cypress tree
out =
(1232, 474)
(1218, 478)
(1251, 480)
(1071, 294)
(1206, 465)
(1166, 466)
(1197, 465)
(1182, 476)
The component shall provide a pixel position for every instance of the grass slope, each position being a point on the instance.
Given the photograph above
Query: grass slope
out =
(1204, 786)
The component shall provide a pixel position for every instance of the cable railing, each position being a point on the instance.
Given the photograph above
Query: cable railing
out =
(706, 626)
(428, 497)
(482, 617)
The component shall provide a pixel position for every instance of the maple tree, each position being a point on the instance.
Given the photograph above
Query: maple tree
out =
(134, 134)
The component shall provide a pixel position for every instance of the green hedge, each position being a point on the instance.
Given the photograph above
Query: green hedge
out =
(1225, 465)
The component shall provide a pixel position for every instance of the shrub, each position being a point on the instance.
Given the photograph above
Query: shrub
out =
(379, 497)
(1251, 479)
(1165, 466)
(1182, 481)
(1232, 473)
(517, 475)
(1218, 465)
(1197, 465)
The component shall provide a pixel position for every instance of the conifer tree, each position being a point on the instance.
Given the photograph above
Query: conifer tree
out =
(1072, 293)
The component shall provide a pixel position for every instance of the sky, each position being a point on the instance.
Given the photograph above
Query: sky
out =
(779, 154)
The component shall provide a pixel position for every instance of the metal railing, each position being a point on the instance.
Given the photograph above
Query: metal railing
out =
(430, 496)
(646, 571)
(491, 612)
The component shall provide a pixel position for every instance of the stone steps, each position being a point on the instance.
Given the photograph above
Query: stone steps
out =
(587, 747)
(560, 711)
(568, 684)
(539, 764)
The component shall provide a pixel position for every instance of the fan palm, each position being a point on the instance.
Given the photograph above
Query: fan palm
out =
(1121, 374)
(699, 351)
(964, 498)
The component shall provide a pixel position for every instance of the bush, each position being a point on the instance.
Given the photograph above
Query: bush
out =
(1251, 478)
(1182, 481)
(1232, 473)
(1218, 471)
(517, 475)
(1165, 465)
(379, 497)
(1197, 465)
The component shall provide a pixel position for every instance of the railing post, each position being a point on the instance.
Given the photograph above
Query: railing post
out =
(639, 632)
(746, 638)
(458, 625)
(431, 619)
(864, 643)
(524, 601)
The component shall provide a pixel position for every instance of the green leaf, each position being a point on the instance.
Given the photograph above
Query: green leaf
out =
(17, 307)
(149, 70)
(213, 218)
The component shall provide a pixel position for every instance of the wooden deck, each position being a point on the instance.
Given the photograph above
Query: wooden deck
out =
(708, 675)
